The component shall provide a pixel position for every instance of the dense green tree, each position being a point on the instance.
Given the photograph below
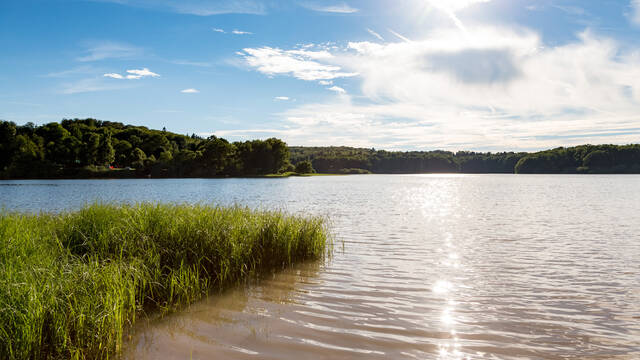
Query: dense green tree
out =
(216, 156)
(90, 148)
(304, 167)
(106, 152)
(7, 143)
(137, 158)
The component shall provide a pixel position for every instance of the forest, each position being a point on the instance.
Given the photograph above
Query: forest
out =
(93, 148)
(584, 159)
(90, 148)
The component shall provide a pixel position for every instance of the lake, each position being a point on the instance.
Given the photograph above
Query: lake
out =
(424, 267)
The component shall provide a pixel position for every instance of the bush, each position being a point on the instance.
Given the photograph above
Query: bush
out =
(304, 167)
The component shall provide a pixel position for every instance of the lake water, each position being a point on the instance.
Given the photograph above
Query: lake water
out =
(425, 267)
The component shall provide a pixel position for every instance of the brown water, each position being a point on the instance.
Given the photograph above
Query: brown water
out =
(428, 267)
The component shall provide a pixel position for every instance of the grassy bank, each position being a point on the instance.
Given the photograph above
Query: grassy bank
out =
(71, 284)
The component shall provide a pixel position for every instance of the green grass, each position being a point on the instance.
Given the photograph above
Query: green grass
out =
(72, 284)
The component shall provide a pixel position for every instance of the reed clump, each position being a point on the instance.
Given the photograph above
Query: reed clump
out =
(71, 284)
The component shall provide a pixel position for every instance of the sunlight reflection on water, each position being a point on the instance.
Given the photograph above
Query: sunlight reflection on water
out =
(426, 267)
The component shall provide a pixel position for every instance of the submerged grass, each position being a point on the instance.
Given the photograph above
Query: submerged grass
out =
(71, 284)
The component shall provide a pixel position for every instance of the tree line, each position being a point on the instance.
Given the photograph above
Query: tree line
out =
(90, 147)
(573, 160)
(84, 148)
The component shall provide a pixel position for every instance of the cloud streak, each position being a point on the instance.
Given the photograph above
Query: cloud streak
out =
(341, 8)
(635, 12)
(375, 34)
(109, 50)
(234, 31)
(198, 7)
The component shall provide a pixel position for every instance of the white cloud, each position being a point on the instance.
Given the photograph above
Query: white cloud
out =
(189, 91)
(301, 64)
(635, 11)
(234, 31)
(139, 73)
(113, 76)
(341, 8)
(337, 89)
(485, 88)
(199, 7)
(133, 74)
(109, 50)
(281, 98)
(325, 82)
(375, 34)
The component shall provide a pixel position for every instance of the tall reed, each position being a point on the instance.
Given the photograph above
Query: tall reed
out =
(71, 284)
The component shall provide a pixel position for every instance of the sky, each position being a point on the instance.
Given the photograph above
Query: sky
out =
(482, 75)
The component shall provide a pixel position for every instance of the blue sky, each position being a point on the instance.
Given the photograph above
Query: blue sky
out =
(404, 74)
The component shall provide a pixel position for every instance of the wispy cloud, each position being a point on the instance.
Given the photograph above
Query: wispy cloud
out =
(401, 37)
(570, 10)
(301, 64)
(375, 34)
(92, 85)
(133, 74)
(337, 89)
(234, 31)
(109, 50)
(189, 91)
(198, 7)
(191, 63)
(635, 11)
(451, 7)
(341, 8)
(281, 98)
(80, 70)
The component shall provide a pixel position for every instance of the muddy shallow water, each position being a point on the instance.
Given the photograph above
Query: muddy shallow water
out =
(428, 267)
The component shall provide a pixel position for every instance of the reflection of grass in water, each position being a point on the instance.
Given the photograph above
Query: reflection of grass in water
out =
(72, 283)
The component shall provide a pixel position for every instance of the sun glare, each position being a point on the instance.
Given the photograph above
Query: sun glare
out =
(453, 5)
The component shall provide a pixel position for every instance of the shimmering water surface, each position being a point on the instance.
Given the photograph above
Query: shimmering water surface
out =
(427, 267)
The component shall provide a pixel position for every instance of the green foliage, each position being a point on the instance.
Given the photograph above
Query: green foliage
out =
(65, 149)
(336, 159)
(304, 167)
(71, 284)
(106, 152)
(579, 159)
(582, 159)
(353, 171)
